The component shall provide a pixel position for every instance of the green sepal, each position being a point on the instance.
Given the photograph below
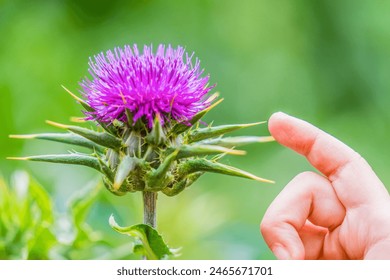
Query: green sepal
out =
(133, 143)
(109, 187)
(210, 132)
(105, 169)
(175, 189)
(78, 159)
(153, 245)
(186, 151)
(158, 178)
(101, 138)
(191, 178)
(178, 187)
(129, 116)
(67, 138)
(124, 168)
(196, 165)
(184, 126)
(230, 142)
(157, 135)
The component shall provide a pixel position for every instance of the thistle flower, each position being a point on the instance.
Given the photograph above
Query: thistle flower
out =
(150, 108)
(150, 136)
(146, 84)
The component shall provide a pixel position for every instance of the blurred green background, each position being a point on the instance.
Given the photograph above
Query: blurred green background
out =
(324, 61)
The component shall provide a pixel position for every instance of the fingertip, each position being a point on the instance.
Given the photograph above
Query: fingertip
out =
(276, 124)
(275, 117)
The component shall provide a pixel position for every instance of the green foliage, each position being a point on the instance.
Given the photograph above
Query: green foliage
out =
(28, 228)
(80, 206)
(149, 242)
(26, 219)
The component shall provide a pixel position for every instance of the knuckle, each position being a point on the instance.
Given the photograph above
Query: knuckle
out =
(267, 225)
(307, 175)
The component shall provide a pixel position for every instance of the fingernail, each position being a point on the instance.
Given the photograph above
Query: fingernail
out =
(281, 253)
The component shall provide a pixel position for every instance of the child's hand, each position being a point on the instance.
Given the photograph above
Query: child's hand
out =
(342, 214)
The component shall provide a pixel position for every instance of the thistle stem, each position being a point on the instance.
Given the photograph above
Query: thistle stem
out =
(150, 199)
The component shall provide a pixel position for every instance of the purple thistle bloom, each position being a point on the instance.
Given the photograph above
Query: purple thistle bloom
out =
(147, 84)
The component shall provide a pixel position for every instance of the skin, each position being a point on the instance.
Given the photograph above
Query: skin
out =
(342, 213)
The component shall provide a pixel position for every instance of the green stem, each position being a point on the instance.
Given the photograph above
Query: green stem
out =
(150, 201)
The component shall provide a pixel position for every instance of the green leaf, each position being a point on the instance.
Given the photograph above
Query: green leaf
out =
(186, 151)
(210, 132)
(80, 205)
(153, 245)
(230, 142)
(67, 138)
(26, 219)
(104, 139)
(42, 198)
(196, 165)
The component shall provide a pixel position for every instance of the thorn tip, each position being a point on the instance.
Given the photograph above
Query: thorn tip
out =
(72, 94)
(17, 158)
(56, 124)
(22, 136)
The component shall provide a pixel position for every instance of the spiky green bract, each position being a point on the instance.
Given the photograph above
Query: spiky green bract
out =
(168, 158)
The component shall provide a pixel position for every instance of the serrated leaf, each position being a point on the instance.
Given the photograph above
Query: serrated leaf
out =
(210, 132)
(153, 244)
(196, 165)
(230, 142)
(104, 139)
(186, 151)
(67, 138)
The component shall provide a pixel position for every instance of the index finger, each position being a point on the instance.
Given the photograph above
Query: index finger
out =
(346, 169)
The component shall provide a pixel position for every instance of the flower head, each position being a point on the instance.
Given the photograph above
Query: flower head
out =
(166, 84)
